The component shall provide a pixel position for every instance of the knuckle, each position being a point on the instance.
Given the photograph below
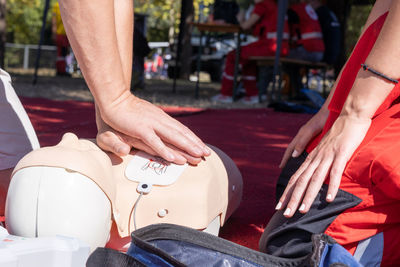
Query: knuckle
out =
(294, 199)
(317, 175)
(315, 179)
(309, 158)
(291, 182)
(302, 181)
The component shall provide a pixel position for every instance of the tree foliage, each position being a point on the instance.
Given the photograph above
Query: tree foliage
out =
(24, 20)
(164, 16)
(358, 17)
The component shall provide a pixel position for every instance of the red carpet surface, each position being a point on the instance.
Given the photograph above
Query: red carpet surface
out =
(255, 139)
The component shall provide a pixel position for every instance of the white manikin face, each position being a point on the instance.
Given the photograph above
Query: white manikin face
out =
(48, 201)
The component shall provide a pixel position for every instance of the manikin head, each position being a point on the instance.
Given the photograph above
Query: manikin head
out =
(76, 189)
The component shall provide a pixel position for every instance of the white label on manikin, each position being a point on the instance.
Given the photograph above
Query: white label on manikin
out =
(144, 168)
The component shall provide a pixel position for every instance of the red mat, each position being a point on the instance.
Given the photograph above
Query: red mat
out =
(255, 139)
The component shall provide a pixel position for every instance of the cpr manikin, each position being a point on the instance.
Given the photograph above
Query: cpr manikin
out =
(76, 189)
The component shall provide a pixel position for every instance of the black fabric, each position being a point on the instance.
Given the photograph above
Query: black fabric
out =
(161, 236)
(331, 32)
(104, 257)
(194, 248)
(226, 10)
(291, 237)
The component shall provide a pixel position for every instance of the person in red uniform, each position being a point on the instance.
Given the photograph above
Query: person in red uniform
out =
(341, 171)
(263, 24)
(306, 39)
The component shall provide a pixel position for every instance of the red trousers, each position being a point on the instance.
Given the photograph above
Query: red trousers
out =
(263, 47)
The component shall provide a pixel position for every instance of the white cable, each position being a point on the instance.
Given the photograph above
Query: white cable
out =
(134, 210)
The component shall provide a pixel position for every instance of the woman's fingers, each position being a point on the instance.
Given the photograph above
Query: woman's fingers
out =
(286, 194)
(292, 184)
(336, 173)
(194, 139)
(180, 140)
(190, 159)
(300, 189)
(297, 146)
(286, 156)
(152, 140)
(315, 184)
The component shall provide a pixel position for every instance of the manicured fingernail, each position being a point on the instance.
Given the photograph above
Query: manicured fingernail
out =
(278, 206)
(287, 212)
(302, 207)
(329, 197)
(207, 150)
(295, 154)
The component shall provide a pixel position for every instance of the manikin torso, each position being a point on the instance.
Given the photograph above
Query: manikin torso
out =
(76, 189)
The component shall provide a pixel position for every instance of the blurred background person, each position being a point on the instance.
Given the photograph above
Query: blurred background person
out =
(61, 40)
(262, 22)
(331, 31)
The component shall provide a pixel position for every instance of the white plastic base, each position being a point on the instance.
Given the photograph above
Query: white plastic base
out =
(48, 201)
(41, 252)
(214, 226)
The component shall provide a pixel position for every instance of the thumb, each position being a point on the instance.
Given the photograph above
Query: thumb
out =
(111, 142)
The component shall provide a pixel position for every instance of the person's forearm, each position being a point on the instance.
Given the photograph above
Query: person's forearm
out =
(123, 11)
(91, 29)
(370, 90)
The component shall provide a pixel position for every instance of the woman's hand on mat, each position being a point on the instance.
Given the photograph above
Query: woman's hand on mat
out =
(328, 159)
(304, 135)
(133, 122)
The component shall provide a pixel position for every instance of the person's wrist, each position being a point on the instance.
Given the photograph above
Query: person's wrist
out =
(107, 107)
(320, 118)
(367, 94)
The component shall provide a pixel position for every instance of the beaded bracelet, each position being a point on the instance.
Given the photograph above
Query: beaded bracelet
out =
(367, 68)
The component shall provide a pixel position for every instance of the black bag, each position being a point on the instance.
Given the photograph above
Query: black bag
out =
(167, 245)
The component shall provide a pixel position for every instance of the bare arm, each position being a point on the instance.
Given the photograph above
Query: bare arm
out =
(100, 33)
(309, 130)
(316, 123)
(90, 26)
(369, 91)
(330, 157)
